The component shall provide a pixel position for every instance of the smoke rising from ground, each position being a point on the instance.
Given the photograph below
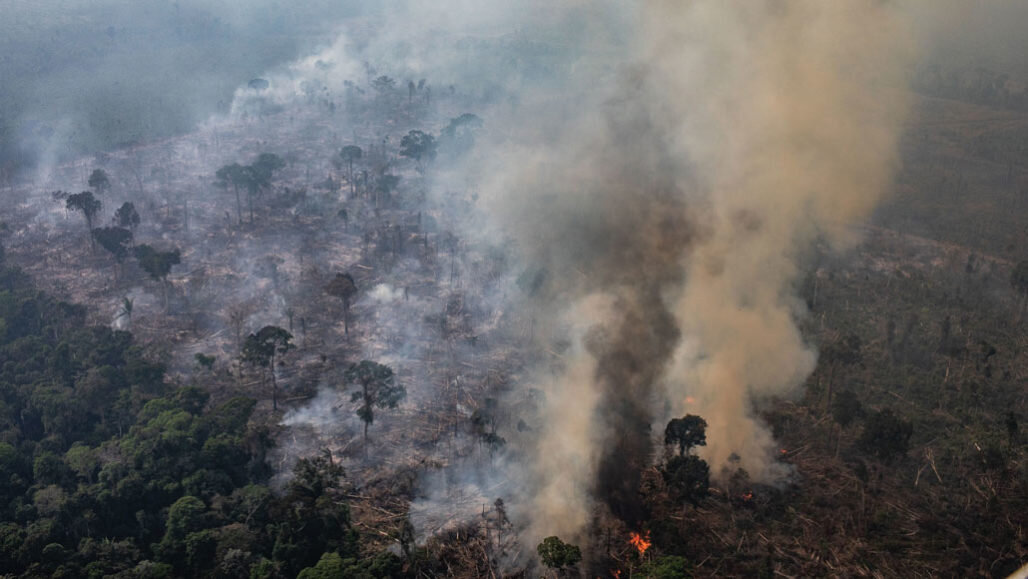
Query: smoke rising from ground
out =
(668, 194)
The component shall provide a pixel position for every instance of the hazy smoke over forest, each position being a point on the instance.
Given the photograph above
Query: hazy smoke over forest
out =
(659, 170)
(668, 190)
(662, 168)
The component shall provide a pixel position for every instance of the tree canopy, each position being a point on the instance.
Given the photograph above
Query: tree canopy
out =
(378, 388)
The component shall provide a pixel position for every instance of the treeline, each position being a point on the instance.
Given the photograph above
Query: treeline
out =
(106, 470)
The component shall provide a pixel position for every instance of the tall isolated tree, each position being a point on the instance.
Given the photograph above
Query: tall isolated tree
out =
(378, 388)
(686, 432)
(261, 349)
(232, 176)
(157, 264)
(99, 182)
(89, 206)
(127, 216)
(343, 287)
(348, 155)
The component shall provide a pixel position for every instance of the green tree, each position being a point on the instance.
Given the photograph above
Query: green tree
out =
(686, 432)
(233, 175)
(343, 287)
(127, 216)
(348, 155)
(115, 240)
(261, 349)
(557, 554)
(378, 389)
(667, 567)
(88, 205)
(418, 145)
(99, 181)
(688, 478)
(157, 264)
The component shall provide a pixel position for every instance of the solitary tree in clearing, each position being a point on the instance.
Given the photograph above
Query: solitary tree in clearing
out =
(127, 216)
(157, 264)
(686, 432)
(232, 175)
(99, 181)
(88, 205)
(378, 389)
(344, 288)
(348, 155)
(260, 350)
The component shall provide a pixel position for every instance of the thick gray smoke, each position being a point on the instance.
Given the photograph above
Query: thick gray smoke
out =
(660, 166)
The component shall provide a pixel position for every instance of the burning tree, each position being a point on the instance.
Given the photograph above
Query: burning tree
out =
(260, 350)
(378, 388)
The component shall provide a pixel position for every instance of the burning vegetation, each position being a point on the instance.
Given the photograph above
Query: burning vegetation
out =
(599, 299)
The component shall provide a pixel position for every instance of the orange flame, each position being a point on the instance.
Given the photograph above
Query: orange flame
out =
(641, 543)
(747, 496)
(783, 451)
(617, 573)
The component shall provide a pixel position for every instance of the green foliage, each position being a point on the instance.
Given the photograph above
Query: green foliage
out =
(260, 349)
(668, 567)
(127, 216)
(99, 181)
(885, 435)
(688, 478)
(418, 145)
(557, 554)
(205, 361)
(115, 240)
(87, 204)
(156, 263)
(378, 389)
(686, 432)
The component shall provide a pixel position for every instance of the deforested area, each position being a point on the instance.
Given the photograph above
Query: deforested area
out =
(562, 289)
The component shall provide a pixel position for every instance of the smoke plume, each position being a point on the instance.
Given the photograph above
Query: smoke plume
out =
(668, 192)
